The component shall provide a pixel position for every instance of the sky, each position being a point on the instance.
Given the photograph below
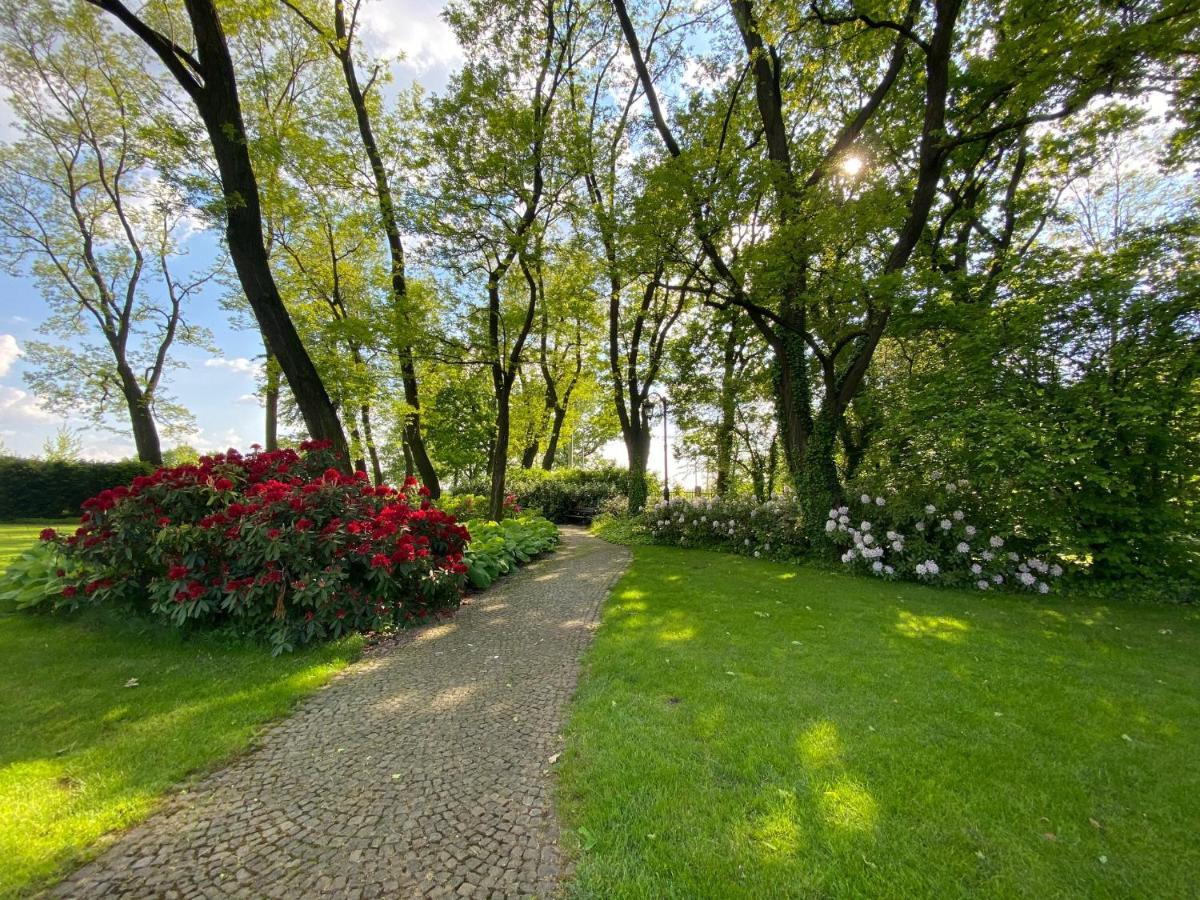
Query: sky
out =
(219, 391)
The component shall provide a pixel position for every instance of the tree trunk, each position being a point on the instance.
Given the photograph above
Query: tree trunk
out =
(369, 440)
(728, 413)
(529, 456)
(560, 415)
(356, 444)
(145, 432)
(637, 445)
(499, 457)
(271, 398)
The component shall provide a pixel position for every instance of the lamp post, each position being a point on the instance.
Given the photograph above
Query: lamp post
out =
(660, 398)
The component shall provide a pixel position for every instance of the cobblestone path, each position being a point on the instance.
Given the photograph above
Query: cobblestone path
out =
(421, 771)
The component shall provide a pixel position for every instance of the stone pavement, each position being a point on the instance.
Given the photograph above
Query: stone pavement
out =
(422, 771)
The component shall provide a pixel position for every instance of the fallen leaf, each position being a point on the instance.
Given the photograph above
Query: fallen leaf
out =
(1103, 860)
(554, 758)
(1050, 836)
(1095, 824)
(132, 682)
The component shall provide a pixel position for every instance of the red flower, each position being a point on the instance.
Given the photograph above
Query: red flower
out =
(223, 484)
(303, 524)
(273, 533)
(423, 491)
(48, 534)
(163, 521)
(69, 591)
(177, 573)
(195, 590)
(380, 561)
(410, 482)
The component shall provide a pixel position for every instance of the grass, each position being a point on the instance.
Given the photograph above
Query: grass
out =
(82, 754)
(751, 729)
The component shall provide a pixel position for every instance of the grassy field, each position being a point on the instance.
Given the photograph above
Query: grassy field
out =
(99, 718)
(750, 729)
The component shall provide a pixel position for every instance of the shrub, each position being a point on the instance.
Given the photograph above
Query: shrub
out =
(738, 524)
(938, 534)
(498, 547)
(559, 492)
(39, 489)
(475, 506)
(279, 545)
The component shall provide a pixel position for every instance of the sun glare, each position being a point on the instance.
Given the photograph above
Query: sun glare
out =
(852, 165)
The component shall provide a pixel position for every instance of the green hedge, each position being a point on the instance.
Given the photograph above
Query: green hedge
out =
(37, 489)
(560, 491)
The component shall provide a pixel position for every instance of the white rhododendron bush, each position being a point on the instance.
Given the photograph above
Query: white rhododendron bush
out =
(938, 534)
(941, 537)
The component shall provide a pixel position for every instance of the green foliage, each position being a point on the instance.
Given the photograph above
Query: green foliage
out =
(499, 547)
(35, 488)
(37, 577)
(559, 492)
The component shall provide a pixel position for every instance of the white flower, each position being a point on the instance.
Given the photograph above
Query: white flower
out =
(865, 526)
(951, 487)
(1026, 579)
(892, 536)
(695, 522)
(920, 526)
(970, 531)
(898, 546)
(931, 567)
(1056, 570)
(945, 523)
(865, 498)
(756, 554)
(704, 518)
(1013, 557)
(830, 525)
(996, 541)
(930, 509)
(936, 474)
(958, 515)
(920, 568)
(843, 519)
(833, 513)
(868, 540)
(976, 569)
(877, 566)
(879, 501)
(1043, 588)
(982, 584)
(889, 570)
(998, 579)
(747, 542)
(988, 555)
(1022, 568)
(963, 547)
(848, 555)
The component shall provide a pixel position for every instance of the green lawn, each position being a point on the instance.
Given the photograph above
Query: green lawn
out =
(752, 729)
(82, 754)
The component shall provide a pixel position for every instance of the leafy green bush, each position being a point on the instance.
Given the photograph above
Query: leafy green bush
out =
(38, 576)
(499, 547)
(39, 489)
(560, 492)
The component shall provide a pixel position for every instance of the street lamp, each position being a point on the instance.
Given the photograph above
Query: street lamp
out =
(650, 400)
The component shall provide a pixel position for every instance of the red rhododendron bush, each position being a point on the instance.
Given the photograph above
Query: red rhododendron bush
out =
(280, 545)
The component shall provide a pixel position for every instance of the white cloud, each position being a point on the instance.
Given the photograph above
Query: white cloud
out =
(413, 28)
(9, 351)
(238, 365)
(251, 400)
(17, 405)
(210, 443)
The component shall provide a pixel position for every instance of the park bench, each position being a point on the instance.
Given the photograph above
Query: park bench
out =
(582, 515)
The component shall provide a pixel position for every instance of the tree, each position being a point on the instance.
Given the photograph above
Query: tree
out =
(340, 41)
(881, 131)
(499, 180)
(207, 77)
(65, 446)
(84, 207)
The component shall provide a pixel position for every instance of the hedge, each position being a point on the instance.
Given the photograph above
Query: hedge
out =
(38, 489)
(560, 491)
